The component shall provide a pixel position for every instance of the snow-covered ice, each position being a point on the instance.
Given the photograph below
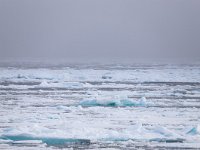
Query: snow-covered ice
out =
(94, 108)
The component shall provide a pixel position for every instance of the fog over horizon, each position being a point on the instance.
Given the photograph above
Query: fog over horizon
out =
(95, 29)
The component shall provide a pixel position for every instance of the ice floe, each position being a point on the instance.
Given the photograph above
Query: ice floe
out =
(194, 130)
(115, 103)
(50, 141)
(137, 132)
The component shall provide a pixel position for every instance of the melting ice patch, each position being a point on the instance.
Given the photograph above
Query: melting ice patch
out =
(115, 103)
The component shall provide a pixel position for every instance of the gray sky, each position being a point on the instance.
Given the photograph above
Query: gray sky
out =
(99, 28)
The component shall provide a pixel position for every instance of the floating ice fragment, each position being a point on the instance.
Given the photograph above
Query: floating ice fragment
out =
(114, 103)
(28, 142)
(164, 131)
(50, 141)
(44, 83)
(194, 130)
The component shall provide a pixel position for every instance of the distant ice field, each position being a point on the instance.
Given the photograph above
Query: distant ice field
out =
(100, 107)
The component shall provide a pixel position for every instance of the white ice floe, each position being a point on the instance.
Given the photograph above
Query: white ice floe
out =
(44, 83)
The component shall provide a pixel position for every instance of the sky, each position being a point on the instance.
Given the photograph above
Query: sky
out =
(75, 29)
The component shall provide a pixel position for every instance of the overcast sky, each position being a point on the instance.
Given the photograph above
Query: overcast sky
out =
(99, 28)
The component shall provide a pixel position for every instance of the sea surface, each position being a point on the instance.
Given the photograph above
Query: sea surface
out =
(100, 106)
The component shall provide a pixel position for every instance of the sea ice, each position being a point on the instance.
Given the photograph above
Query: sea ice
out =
(194, 130)
(115, 103)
